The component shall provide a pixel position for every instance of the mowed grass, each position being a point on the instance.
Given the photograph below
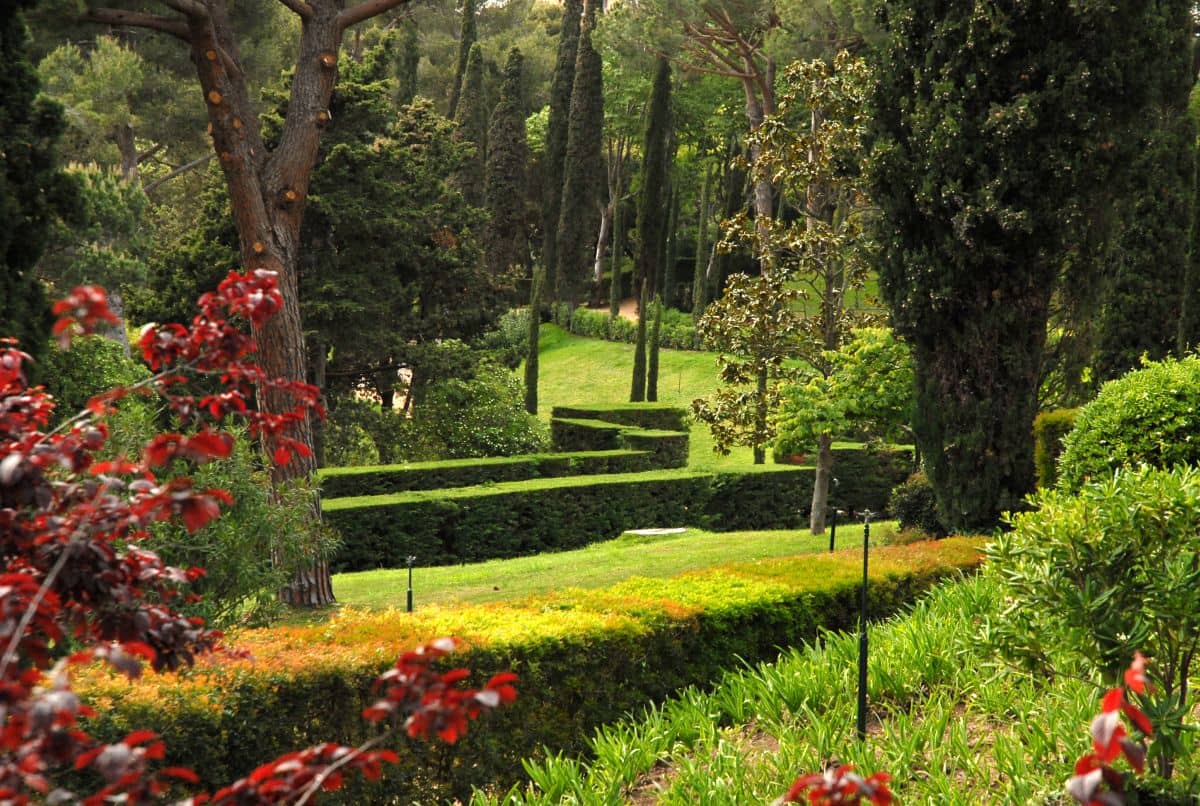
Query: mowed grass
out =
(596, 566)
(573, 371)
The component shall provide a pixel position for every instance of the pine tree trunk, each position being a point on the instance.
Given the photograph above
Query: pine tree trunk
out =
(606, 221)
(820, 496)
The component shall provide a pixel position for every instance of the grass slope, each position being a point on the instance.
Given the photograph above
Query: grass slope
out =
(573, 370)
(597, 566)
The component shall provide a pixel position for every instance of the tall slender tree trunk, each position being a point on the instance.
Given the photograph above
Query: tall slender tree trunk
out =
(535, 324)
(699, 270)
(617, 261)
(637, 391)
(820, 496)
(127, 148)
(606, 222)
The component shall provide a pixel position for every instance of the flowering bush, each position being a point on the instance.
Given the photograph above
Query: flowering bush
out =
(72, 526)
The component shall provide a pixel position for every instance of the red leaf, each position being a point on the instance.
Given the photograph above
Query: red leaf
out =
(182, 773)
(139, 737)
(1135, 675)
(282, 456)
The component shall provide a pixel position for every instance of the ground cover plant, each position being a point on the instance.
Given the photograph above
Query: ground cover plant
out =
(596, 566)
(948, 723)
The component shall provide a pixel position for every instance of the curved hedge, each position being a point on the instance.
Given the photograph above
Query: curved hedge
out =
(584, 658)
(1149, 416)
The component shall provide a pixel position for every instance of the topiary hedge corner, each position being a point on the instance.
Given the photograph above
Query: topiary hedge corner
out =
(660, 429)
(583, 658)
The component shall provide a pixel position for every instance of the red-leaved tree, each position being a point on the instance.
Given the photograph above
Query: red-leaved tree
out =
(75, 573)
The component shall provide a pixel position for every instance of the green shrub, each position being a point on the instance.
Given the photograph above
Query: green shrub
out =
(571, 434)
(357, 431)
(1149, 416)
(1049, 429)
(915, 507)
(584, 658)
(678, 329)
(511, 519)
(1106, 572)
(481, 416)
(345, 482)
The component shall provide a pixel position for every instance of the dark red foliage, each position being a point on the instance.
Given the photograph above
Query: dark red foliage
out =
(840, 784)
(71, 527)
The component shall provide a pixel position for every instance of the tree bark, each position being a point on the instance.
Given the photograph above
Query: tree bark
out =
(820, 496)
(126, 147)
(606, 219)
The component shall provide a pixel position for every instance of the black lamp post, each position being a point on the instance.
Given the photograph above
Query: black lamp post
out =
(411, 559)
(862, 634)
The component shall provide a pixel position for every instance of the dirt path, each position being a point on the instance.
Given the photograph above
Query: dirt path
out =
(628, 309)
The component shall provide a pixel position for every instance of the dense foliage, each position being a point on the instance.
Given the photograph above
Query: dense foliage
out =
(1148, 417)
(985, 168)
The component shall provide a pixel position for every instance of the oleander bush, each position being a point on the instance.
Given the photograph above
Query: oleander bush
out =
(1149, 416)
(585, 658)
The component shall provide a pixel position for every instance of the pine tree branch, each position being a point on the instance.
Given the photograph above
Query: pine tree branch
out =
(189, 8)
(182, 169)
(365, 11)
(136, 19)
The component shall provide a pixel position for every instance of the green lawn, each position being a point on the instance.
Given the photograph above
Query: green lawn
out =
(595, 566)
(573, 370)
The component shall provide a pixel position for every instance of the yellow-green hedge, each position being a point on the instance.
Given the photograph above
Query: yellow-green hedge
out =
(584, 657)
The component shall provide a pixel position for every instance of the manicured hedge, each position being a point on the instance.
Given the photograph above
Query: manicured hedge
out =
(442, 527)
(579, 434)
(866, 476)
(341, 482)
(659, 416)
(584, 658)
(1049, 428)
(607, 430)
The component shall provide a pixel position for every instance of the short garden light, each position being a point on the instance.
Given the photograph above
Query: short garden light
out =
(411, 559)
(862, 634)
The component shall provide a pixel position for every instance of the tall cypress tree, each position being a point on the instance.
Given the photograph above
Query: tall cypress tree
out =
(507, 166)
(561, 85)
(637, 391)
(410, 58)
(535, 324)
(985, 167)
(466, 40)
(583, 168)
(650, 224)
(671, 247)
(471, 127)
(652, 362)
(616, 258)
(699, 280)
(32, 190)
(1140, 313)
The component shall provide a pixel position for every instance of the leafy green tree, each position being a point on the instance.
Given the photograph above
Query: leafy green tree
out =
(466, 40)
(471, 124)
(869, 390)
(583, 167)
(32, 189)
(985, 167)
(554, 156)
(754, 327)
(813, 150)
(507, 240)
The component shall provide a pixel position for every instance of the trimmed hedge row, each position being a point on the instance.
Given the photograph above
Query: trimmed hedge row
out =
(442, 527)
(666, 448)
(584, 658)
(341, 482)
(658, 416)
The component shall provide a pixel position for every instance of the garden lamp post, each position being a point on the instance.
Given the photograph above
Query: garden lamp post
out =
(862, 634)
(411, 559)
